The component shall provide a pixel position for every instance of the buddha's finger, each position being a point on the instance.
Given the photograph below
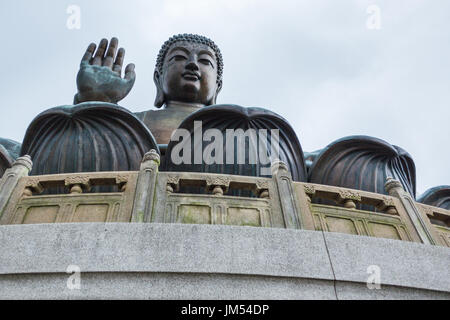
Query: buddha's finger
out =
(119, 61)
(88, 54)
(98, 58)
(129, 72)
(110, 54)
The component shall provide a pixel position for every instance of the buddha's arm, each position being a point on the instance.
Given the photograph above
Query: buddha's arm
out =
(99, 77)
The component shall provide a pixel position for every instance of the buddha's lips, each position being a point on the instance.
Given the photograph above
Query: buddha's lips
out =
(191, 76)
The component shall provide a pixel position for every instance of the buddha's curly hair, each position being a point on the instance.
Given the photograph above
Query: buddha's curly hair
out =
(190, 38)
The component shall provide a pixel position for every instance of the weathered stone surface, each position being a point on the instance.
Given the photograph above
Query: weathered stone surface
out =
(359, 291)
(8, 183)
(401, 263)
(193, 286)
(173, 261)
(26, 204)
(420, 222)
(145, 188)
(99, 247)
(144, 285)
(277, 202)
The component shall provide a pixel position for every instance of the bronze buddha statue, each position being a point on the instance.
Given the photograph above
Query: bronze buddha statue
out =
(188, 76)
(98, 135)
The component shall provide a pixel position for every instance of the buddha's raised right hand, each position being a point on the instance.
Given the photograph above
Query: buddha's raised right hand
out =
(99, 78)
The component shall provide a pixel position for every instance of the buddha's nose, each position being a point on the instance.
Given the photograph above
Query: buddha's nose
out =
(192, 65)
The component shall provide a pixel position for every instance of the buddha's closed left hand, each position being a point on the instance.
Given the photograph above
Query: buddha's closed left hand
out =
(99, 77)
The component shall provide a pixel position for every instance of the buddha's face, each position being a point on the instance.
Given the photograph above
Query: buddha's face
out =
(189, 73)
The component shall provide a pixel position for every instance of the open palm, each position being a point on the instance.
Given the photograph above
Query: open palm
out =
(99, 77)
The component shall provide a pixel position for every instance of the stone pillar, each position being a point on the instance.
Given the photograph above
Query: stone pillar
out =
(217, 185)
(286, 194)
(20, 168)
(395, 189)
(145, 187)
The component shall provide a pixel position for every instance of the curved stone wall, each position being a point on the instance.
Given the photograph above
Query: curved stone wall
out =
(186, 261)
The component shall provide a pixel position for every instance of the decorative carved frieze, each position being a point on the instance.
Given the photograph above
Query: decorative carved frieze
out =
(33, 185)
(262, 188)
(262, 184)
(309, 190)
(172, 183)
(218, 185)
(388, 202)
(77, 183)
(173, 180)
(348, 198)
(121, 181)
(83, 180)
(217, 181)
(349, 195)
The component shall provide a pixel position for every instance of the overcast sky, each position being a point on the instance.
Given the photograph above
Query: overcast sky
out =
(316, 63)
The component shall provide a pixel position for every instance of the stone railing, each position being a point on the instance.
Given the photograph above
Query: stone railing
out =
(150, 196)
(25, 199)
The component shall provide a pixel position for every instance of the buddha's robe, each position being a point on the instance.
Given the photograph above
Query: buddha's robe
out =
(234, 118)
(362, 163)
(438, 196)
(87, 137)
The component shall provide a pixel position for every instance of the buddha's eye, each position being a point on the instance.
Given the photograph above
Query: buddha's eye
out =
(178, 57)
(205, 62)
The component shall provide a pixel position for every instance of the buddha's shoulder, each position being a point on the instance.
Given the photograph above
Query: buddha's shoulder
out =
(156, 112)
(143, 114)
(164, 115)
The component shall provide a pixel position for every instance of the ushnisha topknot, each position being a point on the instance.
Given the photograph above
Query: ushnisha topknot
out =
(190, 38)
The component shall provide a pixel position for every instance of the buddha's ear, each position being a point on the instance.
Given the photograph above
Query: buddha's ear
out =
(159, 100)
(214, 98)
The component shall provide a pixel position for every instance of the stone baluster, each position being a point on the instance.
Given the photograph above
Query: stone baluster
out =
(387, 206)
(217, 191)
(173, 184)
(20, 168)
(32, 186)
(217, 185)
(395, 189)
(145, 188)
(286, 194)
(77, 184)
(348, 198)
(262, 189)
(306, 193)
(122, 182)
